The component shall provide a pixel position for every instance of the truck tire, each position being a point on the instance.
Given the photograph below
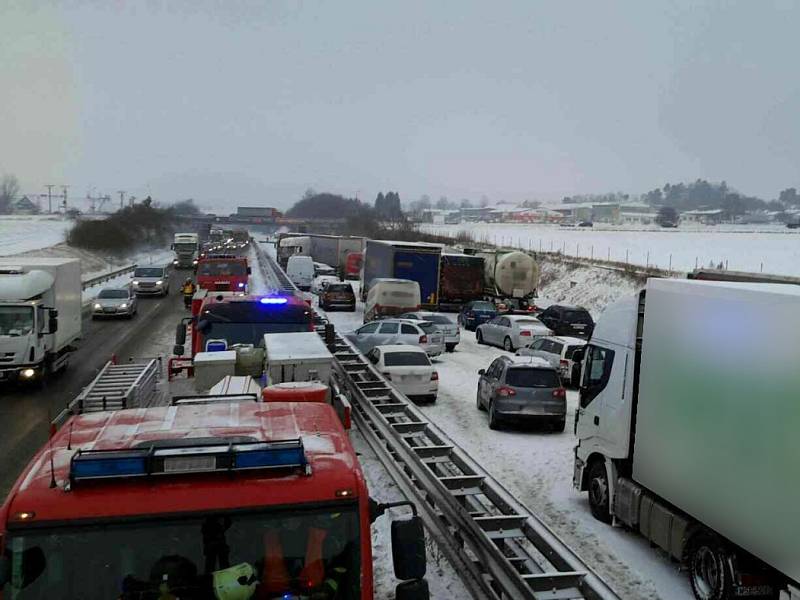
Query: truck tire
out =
(479, 337)
(709, 562)
(494, 419)
(599, 492)
(507, 345)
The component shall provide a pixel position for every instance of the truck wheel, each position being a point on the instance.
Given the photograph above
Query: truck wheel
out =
(507, 345)
(479, 337)
(710, 572)
(599, 492)
(494, 419)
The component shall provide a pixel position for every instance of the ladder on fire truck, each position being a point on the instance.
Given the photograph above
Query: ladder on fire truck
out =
(117, 386)
(499, 546)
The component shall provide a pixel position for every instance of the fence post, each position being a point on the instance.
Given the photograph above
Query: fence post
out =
(762, 268)
(695, 263)
(609, 254)
(670, 262)
(626, 256)
(577, 250)
(647, 262)
(592, 252)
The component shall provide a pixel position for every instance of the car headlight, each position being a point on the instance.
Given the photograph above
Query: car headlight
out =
(98, 306)
(159, 282)
(241, 285)
(175, 262)
(134, 282)
(27, 373)
(123, 305)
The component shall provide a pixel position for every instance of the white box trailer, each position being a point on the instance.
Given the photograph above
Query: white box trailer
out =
(300, 356)
(40, 315)
(689, 429)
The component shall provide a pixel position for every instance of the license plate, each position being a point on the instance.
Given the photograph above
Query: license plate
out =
(579, 326)
(109, 309)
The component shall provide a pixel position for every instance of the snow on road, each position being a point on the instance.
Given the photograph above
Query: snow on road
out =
(771, 249)
(23, 233)
(536, 467)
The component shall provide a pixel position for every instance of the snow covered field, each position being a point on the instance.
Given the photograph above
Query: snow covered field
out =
(741, 247)
(536, 466)
(23, 233)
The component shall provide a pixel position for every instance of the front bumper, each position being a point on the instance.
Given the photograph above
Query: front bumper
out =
(20, 373)
(142, 290)
(102, 312)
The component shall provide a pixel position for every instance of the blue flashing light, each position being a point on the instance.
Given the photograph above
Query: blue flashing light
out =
(271, 457)
(97, 466)
(273, 300)
(241, 285)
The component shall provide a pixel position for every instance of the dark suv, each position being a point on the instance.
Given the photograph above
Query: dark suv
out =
(476, 312)
(337, 295)
(568, 320)
(521, 388)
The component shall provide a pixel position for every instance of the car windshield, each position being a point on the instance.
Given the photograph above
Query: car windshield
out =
(428, 327)
(222, 268)
(577, 316)
(483, 306)
(148, 272)
(526, 377)
(113, 294)
(16, 320)
(175, 558)
(406, 359)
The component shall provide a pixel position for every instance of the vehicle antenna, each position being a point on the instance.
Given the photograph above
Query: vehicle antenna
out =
(69, 437)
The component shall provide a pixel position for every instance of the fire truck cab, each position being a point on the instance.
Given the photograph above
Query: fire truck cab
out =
(230, 499)
(223, 272)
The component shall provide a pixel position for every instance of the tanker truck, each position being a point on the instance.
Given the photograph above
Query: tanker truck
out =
(510, 276)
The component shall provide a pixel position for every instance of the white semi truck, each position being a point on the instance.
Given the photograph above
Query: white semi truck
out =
(689, 430)
(187, 249)
(40, 315)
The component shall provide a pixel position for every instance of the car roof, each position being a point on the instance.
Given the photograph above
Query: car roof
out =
(521, 317)
(400, 348)
(116, 289)
(568, 340)
(568, 306)
(529, 361)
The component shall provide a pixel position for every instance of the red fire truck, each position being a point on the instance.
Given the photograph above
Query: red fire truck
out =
(229, 499)
(227, 319)
(223, 272)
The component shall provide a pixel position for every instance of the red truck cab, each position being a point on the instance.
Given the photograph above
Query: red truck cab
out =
(352, 265)
(210, 500)
(223, 273)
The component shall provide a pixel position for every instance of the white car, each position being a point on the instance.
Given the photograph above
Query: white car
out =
(398, 331)
(319, 283)
(450, 329)
(511, 331)
(408, 368)
(559, 352)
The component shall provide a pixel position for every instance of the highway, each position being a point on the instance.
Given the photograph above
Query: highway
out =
(25, 413)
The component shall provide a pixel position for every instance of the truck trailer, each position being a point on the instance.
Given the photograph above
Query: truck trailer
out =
(404, 260)
(688, 430)
(460, 280)
(40, 315)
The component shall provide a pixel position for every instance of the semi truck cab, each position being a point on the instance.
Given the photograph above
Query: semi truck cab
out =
(233, 499)
(187, 248)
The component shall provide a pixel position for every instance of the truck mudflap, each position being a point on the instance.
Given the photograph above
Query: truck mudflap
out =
(577, 472)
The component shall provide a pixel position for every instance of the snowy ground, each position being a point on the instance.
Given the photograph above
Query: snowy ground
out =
(23, 233)
(536, 467)
(743, 248)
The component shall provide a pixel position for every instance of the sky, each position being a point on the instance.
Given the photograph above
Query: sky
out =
(252, 103)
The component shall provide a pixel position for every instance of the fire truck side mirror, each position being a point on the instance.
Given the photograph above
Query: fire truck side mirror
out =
(249, 270)
(180, 334)
(408, 548)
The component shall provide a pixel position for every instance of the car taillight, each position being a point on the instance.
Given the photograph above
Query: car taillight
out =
(387, 376)
(434, 376)
(564, 362)
(423, 339)
(505, 392)
(559, 393)
(526, 333)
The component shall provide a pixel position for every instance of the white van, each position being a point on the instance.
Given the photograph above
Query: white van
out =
(300, 270)
(391, 297)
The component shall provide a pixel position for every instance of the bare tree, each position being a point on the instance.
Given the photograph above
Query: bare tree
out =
(9, 188)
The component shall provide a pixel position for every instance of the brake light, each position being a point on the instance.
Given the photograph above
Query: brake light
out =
(564, 363)
(423, 339)
(387, 376)
(559, 393)
(435, 376)
(505, 392)
(525, 332)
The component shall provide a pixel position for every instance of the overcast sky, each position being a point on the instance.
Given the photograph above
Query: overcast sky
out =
(255, 102)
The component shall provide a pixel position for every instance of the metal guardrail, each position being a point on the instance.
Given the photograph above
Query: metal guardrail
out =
(116, 386)
(92, 281)
(498, 546)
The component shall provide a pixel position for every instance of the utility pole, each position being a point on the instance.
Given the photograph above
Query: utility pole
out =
(64, 188)
(50, 187)
(121, 198)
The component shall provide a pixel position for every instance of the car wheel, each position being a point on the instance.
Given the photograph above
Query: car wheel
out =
(599, 492)
(478, 401)
(710, 572)
(479, 337)
(450, 347)
(494, 419)
(507, 345)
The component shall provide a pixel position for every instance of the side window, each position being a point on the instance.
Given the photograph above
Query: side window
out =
(556, 348)
(596, 373)
(406, 328)
(538, 345)
(494, 369)
(369, 328)
(390, 327)
(505, 322)
(373, 356)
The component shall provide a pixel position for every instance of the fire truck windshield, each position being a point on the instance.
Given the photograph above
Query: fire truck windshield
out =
(225, 268)
(275, 555)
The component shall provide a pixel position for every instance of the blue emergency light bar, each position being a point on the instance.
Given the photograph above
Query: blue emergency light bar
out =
(182, 459)
(273, 300)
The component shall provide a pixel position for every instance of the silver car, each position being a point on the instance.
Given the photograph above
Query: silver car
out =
(559, 352)
(511, 331)
(114, 302)
(451, 331)
(522, 388)
(398, 331)
(150, 281)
